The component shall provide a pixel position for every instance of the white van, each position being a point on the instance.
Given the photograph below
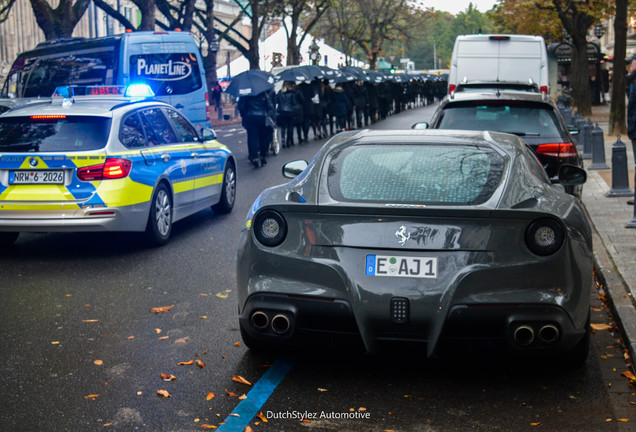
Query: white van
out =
(169, 62)
(499, 60)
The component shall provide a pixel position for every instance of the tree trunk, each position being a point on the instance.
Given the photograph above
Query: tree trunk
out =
(293, 51)
(61, 21)
(617, 108)
(210, 60)
(252, 53)
(580, 77)
(147, 9)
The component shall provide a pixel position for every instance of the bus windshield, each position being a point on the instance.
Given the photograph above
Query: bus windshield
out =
(38, 76)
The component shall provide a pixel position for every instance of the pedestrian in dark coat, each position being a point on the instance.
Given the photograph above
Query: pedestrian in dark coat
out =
(372, 108)
(309, 112)
(340, 107)
(257, 113)
(289, 111)
(360, 101)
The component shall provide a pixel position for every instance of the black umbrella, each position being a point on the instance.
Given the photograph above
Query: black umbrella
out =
(375, 77)
(359, 73)
(250, 83)
(312, 71)
(293, 74)
(339, 77)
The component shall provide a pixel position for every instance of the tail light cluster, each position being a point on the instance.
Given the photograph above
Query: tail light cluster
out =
(451, 88)
(270, 228)
(112, 168)
(544, 236)
(557, 150)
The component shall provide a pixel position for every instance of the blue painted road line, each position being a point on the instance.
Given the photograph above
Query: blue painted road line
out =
(256, 398)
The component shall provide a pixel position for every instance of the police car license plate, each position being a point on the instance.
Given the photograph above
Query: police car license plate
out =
(36, 177)
(401, 266)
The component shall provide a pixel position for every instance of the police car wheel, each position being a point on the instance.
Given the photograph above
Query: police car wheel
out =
(160, 218)
(7, 238)
(228, 193)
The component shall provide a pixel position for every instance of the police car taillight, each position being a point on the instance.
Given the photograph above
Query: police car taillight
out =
(112, 168)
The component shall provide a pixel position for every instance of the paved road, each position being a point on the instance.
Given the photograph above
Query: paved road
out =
(81, 351)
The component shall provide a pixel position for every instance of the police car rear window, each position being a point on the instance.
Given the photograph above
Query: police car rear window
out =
(415, 174)
(53, 133)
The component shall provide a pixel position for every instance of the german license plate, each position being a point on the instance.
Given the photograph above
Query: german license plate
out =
(36, 177)
(401, 266)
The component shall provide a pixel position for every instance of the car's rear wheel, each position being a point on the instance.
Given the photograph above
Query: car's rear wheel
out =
(160, 218)
(8, 238)
(228, 192)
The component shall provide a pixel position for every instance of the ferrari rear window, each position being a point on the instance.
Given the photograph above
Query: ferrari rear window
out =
(53, 133)
(415, 174)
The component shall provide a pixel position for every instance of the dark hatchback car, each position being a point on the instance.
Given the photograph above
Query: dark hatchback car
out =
(531, 116)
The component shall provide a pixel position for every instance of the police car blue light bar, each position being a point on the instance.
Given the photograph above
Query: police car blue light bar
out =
(139, 90)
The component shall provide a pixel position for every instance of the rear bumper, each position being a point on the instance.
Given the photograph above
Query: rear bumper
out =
(313, 319)
(129, 218)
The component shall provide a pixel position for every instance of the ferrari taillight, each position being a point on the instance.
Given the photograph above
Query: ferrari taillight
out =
(112, 168)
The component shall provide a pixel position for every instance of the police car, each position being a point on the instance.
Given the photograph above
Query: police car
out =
(107, 159)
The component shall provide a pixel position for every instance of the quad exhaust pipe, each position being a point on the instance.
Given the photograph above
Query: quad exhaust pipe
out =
(280, 324)
(524, 335)
(548, 334)
(260, 320)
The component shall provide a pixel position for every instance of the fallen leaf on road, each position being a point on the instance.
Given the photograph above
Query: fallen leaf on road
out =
(92, 396)
(234, 415)
(322, 389)
(55, 343)
(161, 309)
(599, 327)
(98, 362)
(157, 330)
(90, 320)
(248, 429)
(200, 364)
(207, 426)
(209, 396)
(186, 363)
(243, 396)
(163, 337)
(131, 337)
(107, 424)
(204, 317)
(237, 344)
(163, 393)
(241, 380)
(229, 393)
(182, 340)
(222, 295)
(203, 295)
(261, 416)
(623, 420)
(629, 375)
(305, 421)
(535, 424)
(362, 409)
(167, 377)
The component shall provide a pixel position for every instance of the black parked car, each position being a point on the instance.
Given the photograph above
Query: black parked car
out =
(532, 116)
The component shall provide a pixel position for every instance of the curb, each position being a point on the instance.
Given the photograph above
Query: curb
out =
(620, 299)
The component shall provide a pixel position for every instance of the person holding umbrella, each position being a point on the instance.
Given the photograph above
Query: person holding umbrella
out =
(254, 89)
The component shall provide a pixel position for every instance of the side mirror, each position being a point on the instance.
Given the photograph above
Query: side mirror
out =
(571, 175)
(295, 168)
(420, 125)
(208, 134)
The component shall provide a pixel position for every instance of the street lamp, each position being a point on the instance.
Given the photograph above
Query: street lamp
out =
(314, 53)
(599, 30)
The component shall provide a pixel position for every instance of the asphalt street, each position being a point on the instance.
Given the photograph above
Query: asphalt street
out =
(80, 349)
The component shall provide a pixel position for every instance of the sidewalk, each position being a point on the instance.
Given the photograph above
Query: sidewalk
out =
(615, 245)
